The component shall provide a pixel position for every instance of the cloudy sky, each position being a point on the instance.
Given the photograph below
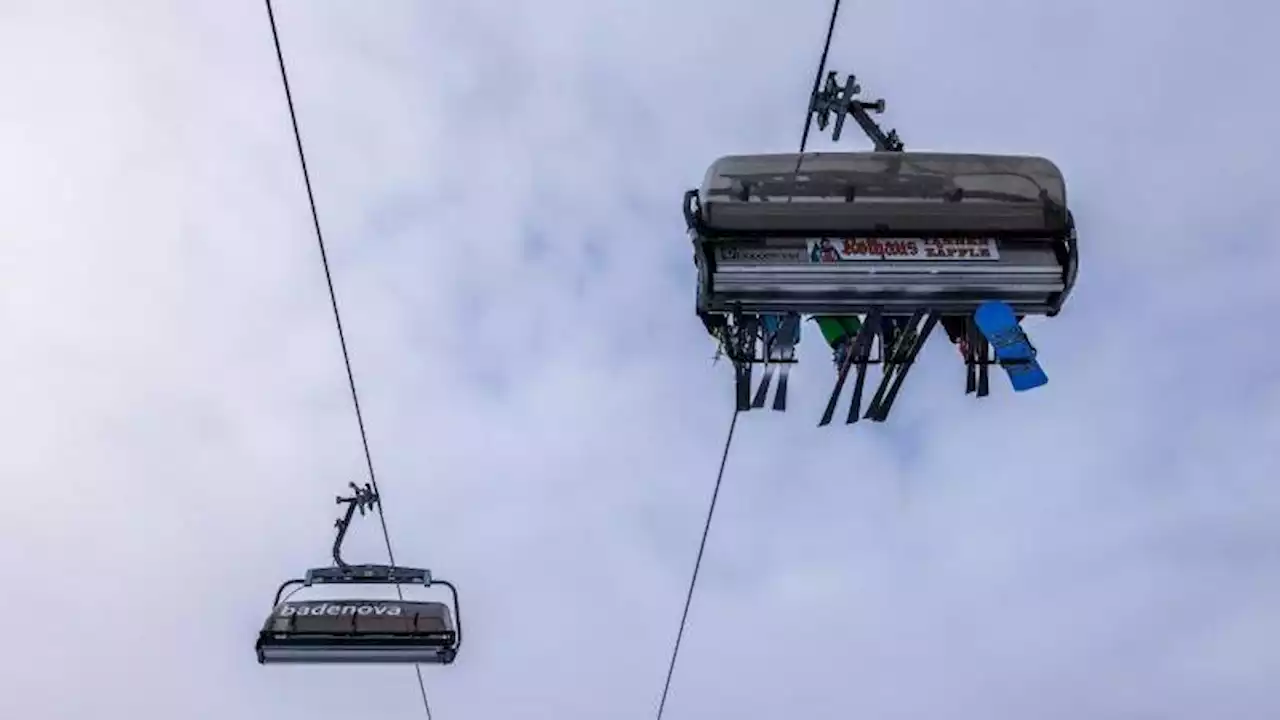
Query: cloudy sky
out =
(499, 185)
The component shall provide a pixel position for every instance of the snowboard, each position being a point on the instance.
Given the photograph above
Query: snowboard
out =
(1014, 351)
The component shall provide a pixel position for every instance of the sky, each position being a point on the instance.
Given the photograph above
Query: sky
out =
(499, 187)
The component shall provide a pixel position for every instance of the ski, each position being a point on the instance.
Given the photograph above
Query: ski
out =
(918, 339)
(892, 350)
(742, 347)
(780, 398)
(864, 332)
(860, 382)
(742, 384)
(830, 412)
(788, 338)
(984, 369)
(984, 372)
(762, 393)
(971, 357)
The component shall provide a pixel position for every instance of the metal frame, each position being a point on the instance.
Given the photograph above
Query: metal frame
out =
(372, 575)
(342, 573)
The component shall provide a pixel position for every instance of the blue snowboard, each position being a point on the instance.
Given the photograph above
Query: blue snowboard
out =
(1014, 351)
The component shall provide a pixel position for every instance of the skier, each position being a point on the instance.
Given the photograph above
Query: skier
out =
(954, 326)
(780, 332)
(839, 332)
(955, 329)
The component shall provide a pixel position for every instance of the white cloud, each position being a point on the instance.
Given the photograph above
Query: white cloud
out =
(546, 424)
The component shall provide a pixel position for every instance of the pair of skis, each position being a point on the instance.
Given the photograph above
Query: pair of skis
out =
(994, 323)
(899, 353)
(780, 350)
(1014, 351)
(976, 359)
(738, 341)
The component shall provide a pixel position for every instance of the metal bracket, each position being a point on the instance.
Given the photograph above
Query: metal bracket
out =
(368, 575)
(362, 499)
(361, 575)
(842, 101)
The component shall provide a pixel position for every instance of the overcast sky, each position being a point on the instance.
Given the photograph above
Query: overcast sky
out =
(499, 184)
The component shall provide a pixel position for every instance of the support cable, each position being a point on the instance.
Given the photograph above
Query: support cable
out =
(337, 318)
(697, 565)
(817, 77)
(715, 494)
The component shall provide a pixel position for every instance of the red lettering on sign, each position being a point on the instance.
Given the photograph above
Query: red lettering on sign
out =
(902, 247)
(961, 248)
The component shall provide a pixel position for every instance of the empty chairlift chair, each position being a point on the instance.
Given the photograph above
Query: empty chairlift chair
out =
(361, 630)
(365, 629)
